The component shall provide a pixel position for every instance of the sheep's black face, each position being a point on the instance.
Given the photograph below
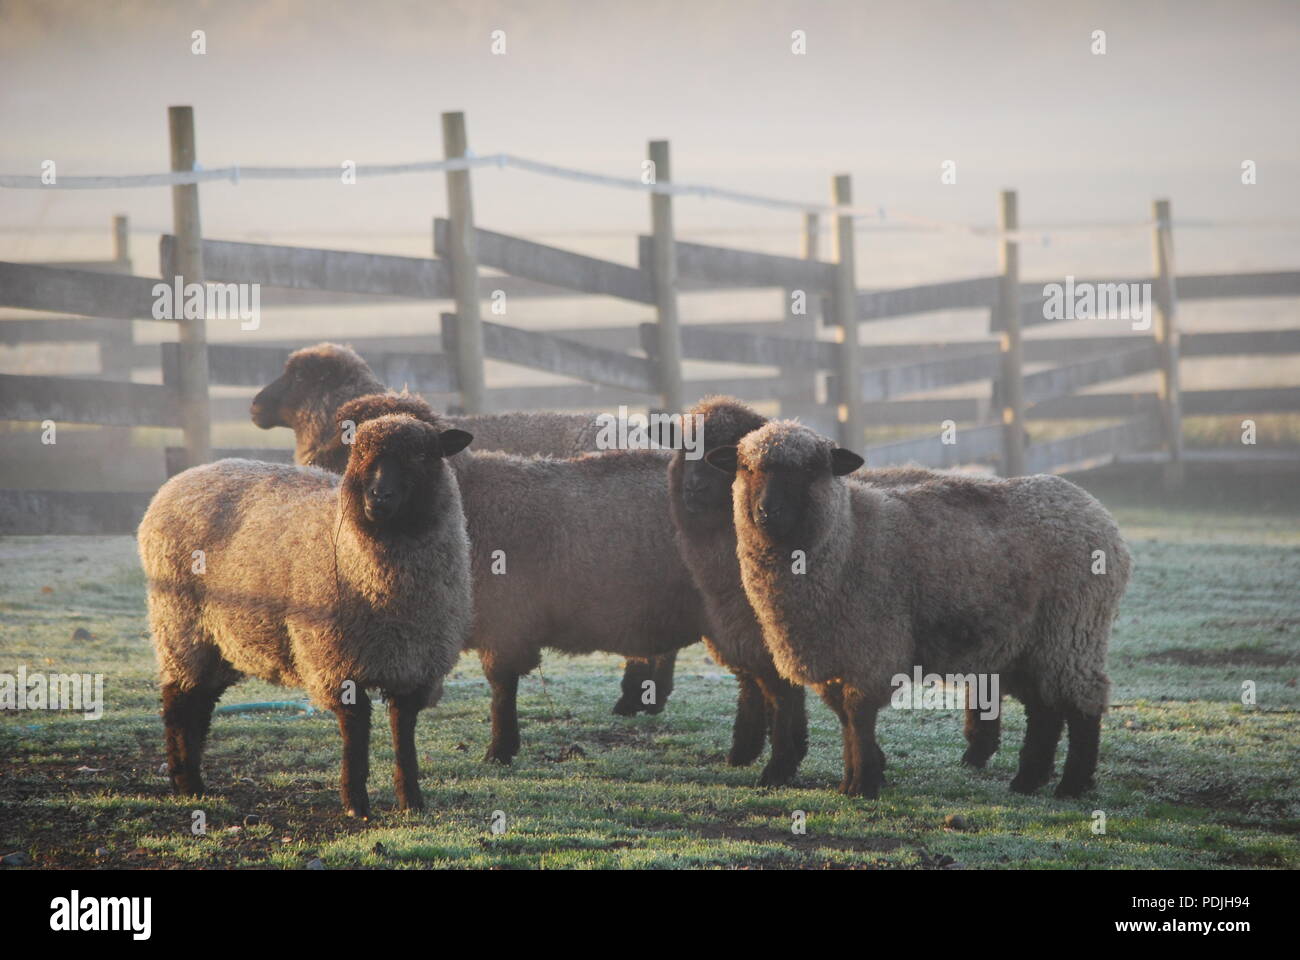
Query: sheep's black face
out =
(306, 378)
(386, 488)
(704, 489)
(394, 473)
(778, 502)
(783, 475)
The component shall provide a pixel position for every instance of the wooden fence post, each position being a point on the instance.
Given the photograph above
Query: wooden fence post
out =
(463, 248)
(192, 372)
(121, 242)
(115, 348)
(845, 307)
(802, 326)
(800, 387)
(1010, 388)
(663, 259)
(1165, 331)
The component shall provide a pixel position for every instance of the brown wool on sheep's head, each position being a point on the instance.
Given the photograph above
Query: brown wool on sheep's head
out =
(784, 474)
(374, 405)
(313, 379)
(700, 488)
(333, 453)
(396, 473)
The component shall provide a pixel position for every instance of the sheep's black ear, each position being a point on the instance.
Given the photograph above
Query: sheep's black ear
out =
(453, 442)
(844, 461)
(722, 458)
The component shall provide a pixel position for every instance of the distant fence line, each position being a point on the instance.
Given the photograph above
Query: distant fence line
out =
(823, 374)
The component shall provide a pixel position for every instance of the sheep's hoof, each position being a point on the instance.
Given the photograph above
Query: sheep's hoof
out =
(497, 755)
(744, 754)
(362, 814)
(1026, 785)
(1067, 789)
(187, 786)
(868, 791)
(975, 758)
(412, 804)
(776, 775)
(626, 708)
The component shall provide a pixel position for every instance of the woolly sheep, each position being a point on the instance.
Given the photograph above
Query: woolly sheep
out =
(572, 555)
(955, 575)
(306, 580)
(317, 380)
(700, 499)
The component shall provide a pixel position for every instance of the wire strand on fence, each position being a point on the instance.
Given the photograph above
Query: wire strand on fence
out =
(237, 174)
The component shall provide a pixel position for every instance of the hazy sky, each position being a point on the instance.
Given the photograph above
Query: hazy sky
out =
(887, 91)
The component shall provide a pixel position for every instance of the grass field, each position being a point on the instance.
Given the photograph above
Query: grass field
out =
(1190, 777)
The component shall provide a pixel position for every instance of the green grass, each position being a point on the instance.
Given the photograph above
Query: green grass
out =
(1190, 777)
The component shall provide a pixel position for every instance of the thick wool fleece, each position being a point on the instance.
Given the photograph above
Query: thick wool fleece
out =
(296, 588)
(576, 555)
(525, 434)
(706, 535)
(956, 575)
(588, 555)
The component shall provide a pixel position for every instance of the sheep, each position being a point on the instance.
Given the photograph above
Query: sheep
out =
(700, 507)
(953, 575)
(573, 555)
(305, 580)
(700, 500)
(317, 380)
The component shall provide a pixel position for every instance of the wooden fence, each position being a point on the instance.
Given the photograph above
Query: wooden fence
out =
(812, 364)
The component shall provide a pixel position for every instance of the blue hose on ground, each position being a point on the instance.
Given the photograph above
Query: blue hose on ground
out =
(296, 705)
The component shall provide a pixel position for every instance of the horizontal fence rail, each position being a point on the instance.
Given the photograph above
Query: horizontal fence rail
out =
(553, 266)
(83, 292)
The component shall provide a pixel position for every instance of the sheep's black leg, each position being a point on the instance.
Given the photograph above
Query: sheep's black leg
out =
(833, 695)
(354, 725)
(635, 674)
(788, 728)
(750, 729)
(505, 715)
(1081, 757)
(1042, 733)
(187, 715)
(402, 713)
(662, 669)
(983, 735)
(868, 774)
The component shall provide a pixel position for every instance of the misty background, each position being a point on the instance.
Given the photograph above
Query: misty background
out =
(1009, 91)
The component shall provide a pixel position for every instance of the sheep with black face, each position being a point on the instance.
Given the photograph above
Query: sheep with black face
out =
(956, 575)
(303, 579)
(700, 501)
